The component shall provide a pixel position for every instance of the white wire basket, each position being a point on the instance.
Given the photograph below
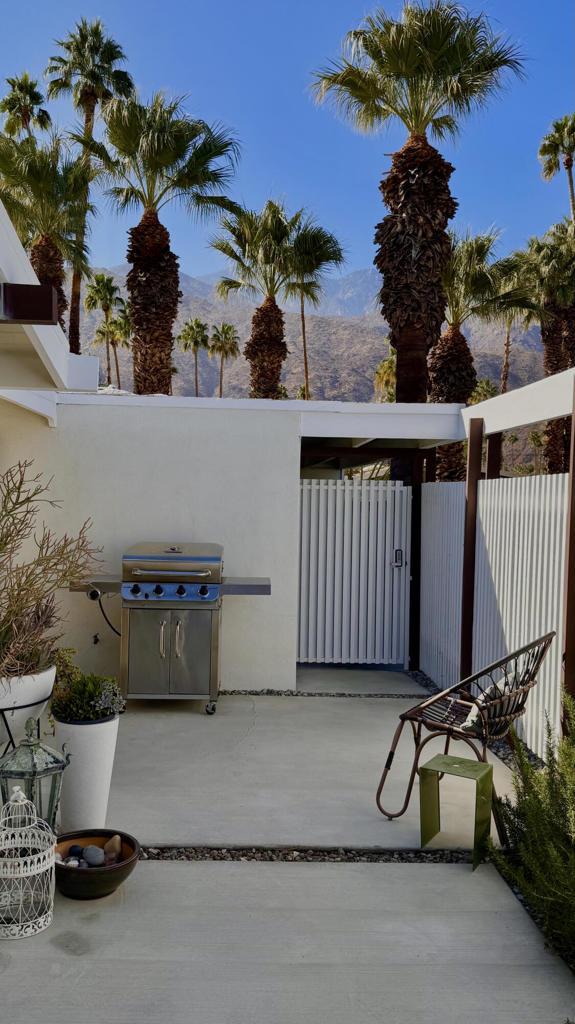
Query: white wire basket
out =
(26, 869)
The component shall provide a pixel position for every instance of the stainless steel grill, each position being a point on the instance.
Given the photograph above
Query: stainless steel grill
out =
(171, 611)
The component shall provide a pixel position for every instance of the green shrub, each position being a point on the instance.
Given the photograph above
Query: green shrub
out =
(540, 828)
(83, 698)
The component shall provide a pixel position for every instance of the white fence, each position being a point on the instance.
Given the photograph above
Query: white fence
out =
(442, 521)
(518, 584)
(354, 572)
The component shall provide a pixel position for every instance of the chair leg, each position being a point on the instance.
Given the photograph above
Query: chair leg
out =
(418, 747)
(386, 771)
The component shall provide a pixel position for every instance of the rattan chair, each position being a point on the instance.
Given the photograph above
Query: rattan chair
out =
(478, 709)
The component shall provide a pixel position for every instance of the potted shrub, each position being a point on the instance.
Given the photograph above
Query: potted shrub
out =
(86, 710)
(34, 565)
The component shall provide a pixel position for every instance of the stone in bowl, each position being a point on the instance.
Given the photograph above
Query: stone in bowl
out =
(93, 883)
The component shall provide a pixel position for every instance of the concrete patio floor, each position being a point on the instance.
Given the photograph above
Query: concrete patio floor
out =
(269, 770)
(244, 943)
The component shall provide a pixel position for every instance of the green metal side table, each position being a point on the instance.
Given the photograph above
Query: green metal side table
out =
(446, 764)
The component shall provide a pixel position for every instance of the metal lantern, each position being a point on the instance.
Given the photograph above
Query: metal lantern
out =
(26, 869)
(37, 770)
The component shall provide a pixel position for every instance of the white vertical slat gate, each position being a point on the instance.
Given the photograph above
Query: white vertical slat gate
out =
(354, 572)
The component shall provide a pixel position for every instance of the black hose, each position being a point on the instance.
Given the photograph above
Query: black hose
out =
(112, 627)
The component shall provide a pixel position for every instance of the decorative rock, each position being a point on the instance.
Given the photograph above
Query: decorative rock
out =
(72, 862)
(83, 864)
(75, 850)
(113, 849)
(94, 856)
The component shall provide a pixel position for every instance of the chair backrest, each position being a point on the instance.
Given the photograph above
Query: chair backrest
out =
(503, 687)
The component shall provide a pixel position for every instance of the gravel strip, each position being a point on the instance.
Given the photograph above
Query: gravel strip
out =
(319, 693)
(306, 854)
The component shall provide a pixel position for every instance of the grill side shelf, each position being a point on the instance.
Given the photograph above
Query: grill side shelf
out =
(235, 586)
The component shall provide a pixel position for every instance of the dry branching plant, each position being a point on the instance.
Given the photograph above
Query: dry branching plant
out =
(34, 564)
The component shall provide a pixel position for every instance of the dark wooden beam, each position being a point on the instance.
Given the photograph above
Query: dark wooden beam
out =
(28, 304)
(494, 452)
(569, 584)
(474, 453)
(415, 567)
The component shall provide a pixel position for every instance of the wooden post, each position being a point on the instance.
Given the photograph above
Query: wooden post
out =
(474, 452)
(415, 567)
(569, 584)
(494, 446)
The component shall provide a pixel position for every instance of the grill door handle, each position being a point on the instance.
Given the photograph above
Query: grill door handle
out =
(178, 630)
(163, 638)
(172, 572)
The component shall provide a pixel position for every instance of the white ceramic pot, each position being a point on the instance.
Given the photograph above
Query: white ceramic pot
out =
(20, 690)
(86, 781)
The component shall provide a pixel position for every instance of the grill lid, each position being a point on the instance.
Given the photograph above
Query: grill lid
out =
(161, 561)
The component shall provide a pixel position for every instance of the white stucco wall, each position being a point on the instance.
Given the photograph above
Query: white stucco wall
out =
(173, 474)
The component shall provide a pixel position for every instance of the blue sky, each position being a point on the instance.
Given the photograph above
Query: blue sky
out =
(249, 66)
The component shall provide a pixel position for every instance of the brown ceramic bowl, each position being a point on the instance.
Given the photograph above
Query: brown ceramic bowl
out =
(93, 883)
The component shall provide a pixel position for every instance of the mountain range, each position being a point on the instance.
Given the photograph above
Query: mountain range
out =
(347, 338)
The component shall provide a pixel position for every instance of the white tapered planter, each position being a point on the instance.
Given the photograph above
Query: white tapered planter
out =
(86, 782)
(18, 691)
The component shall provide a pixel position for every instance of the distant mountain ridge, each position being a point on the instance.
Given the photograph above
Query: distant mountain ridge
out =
(347, 338)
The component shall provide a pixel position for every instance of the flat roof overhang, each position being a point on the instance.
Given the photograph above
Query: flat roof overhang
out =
(35, 357)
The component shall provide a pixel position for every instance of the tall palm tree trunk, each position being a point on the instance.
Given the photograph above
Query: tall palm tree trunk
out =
(556, 444)
(307, 392)
(266, 350)
(117, 364)
(452, 378)
(504, 383)
(153, 287)
(48, 265)
(76, 287)
(221, 376)
(196, 374)
(413, 251)
(108, 362)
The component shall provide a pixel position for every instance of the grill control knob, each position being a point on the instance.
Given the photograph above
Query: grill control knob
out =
(159, 590)
(135, 589)
(203, 590)
(181, 590)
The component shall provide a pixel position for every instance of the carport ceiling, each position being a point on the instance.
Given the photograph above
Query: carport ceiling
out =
(347, 452)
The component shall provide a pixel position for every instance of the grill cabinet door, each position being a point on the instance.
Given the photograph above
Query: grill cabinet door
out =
(149, 655)
(191, 652)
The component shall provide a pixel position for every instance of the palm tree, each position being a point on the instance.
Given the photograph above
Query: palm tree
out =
(158, 154)
(23, 107)
(259, 248)
(194, 337)
(315, 250)
(558, 147)
(384, 380)
(120, 333)
(43, 189)
(475, 285)
(103, 294)
(547, 268)
(88, 68)
(224, 345)
(427, 70)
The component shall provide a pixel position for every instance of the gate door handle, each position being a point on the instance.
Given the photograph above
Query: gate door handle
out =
(398, 558)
